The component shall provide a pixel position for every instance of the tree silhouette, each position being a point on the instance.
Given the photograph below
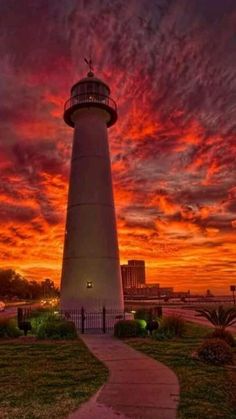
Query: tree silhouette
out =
(13, 284)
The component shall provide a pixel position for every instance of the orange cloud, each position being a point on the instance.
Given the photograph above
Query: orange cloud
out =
(172, 148)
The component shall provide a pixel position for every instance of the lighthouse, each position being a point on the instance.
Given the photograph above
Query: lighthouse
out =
(91, 275)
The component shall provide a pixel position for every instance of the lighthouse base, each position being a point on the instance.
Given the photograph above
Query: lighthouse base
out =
(89, 283)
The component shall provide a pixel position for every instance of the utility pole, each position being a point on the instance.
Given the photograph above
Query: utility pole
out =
(233, 289)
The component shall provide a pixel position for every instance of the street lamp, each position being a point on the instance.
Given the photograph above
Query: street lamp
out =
(233, 289)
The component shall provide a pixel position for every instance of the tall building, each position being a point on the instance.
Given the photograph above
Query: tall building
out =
(91, 270)
(133, 274)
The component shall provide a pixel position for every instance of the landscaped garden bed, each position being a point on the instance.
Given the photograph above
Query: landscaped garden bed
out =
(49, 372)
(206, 391)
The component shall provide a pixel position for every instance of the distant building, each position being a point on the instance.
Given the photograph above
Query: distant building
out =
(148, 290)
(166, 291)
(133, 274)
(135, 286)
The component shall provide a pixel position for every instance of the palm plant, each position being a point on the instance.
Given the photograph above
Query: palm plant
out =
(220, 317)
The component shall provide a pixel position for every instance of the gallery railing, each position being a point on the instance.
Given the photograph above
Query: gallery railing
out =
(89, 98)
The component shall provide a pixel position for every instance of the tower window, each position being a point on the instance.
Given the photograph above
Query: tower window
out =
(90, 87)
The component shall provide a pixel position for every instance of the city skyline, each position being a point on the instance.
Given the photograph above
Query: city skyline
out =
(171, 69)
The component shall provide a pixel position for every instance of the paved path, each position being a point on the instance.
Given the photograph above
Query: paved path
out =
(138, 386)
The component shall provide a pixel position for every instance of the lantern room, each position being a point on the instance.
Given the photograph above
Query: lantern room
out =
(90, 92)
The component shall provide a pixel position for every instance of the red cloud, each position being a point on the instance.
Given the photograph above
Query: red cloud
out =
(172, 149)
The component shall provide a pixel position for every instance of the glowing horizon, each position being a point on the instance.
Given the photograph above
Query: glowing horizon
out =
(171, 70)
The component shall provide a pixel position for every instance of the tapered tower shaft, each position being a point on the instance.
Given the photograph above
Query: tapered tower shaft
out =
(91, 268)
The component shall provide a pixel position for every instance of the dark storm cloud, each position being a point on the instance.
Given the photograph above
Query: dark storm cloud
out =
(212, 14)
(41, 157)
(31, 36)
(14, 213)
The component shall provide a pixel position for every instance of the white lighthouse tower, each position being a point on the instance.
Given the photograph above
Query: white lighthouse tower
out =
(91, 269)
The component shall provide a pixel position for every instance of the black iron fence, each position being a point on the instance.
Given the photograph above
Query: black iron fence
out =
(23, 314)
(100, 321)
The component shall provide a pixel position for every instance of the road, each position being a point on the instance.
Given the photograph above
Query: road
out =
(190, 315)
(11, 312)
(8, 313)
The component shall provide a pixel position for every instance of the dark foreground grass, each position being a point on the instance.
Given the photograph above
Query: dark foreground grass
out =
(46, 380)
(206, 391)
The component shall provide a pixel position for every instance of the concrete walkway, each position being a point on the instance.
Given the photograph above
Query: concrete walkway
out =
(138, 386)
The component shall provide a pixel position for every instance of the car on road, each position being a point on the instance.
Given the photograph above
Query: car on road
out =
(2, 306)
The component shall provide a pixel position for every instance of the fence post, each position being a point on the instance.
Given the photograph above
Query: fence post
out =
(104, 320)
(19, 315)
(82, 320)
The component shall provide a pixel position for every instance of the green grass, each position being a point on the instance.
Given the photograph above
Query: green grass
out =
(206, 391)
(46, 380)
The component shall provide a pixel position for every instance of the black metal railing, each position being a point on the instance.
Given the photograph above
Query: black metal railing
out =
(23, 314)
(92, 97)
(99, 321)
(23, 319)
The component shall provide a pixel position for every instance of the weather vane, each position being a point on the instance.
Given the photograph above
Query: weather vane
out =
(90, 64)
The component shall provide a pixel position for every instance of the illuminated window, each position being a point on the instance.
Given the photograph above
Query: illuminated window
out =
(89, 284)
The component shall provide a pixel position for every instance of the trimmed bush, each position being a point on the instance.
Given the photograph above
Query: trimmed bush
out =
(216, 352)
(171, 327)
(56, 328)
(143, 314)
(223, 335)
(152, 325)
(9, 329)
(41, 316)
(148, 314)
(130, 328)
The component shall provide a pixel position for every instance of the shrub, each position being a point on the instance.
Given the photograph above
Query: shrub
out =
(9, 329)
(56, 328)
(149, 314)
(171, 326)
(162, 334)
(220, 316)
(143, 314)
(223, 335)
(130, 328)
(41, 316)
(215, 351)
(152, 325)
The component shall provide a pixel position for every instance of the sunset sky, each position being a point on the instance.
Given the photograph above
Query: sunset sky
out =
(171, 66)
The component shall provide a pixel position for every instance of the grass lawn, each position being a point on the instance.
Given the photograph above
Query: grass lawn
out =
(206, 391)
(46, 379)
